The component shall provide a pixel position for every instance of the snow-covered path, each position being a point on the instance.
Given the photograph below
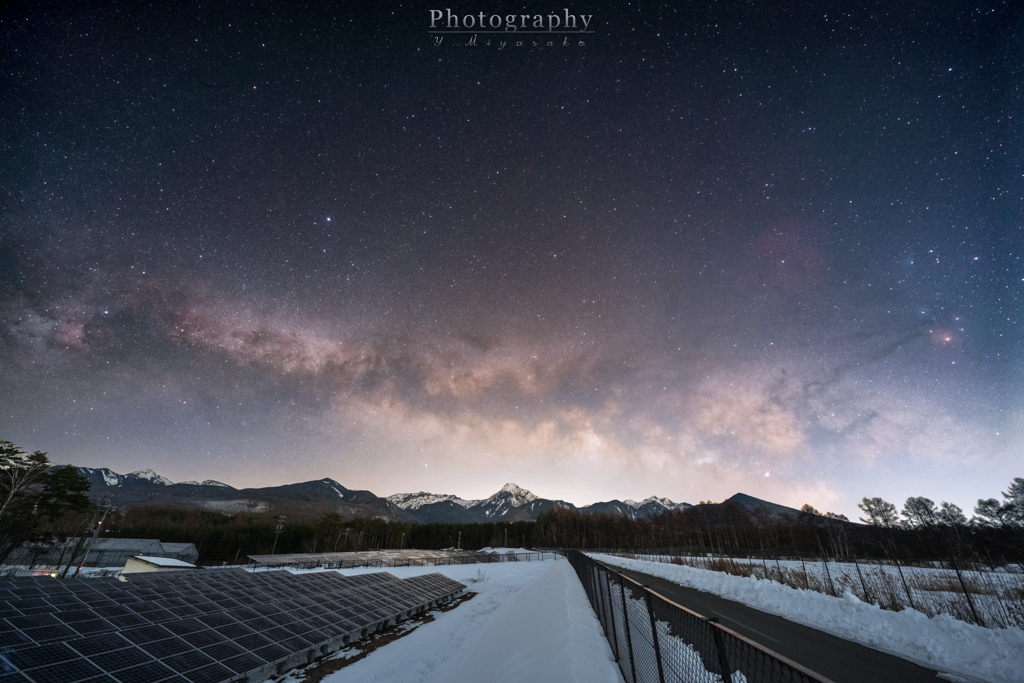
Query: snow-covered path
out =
(941, 643)
(530, 622)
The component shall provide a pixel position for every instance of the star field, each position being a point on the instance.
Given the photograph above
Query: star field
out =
(746, 247)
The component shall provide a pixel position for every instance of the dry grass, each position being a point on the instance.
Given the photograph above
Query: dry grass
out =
(992, 600)
(949, 584)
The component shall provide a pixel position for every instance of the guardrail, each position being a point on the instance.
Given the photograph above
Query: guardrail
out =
(654, 640)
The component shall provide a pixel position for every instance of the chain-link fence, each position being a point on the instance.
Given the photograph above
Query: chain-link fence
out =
(655, 640)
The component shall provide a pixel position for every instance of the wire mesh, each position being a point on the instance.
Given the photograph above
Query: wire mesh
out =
(655, 640)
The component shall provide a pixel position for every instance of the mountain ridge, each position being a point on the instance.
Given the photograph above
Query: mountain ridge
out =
(510, 503)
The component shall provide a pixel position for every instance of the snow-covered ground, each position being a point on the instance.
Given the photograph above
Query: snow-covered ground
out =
(529, 622)
(995, 595)
(941, 642)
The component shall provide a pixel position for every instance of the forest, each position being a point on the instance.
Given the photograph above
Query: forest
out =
(42, 504)
(922, 532)
(231, 538)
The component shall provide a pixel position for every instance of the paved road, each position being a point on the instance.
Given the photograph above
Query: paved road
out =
(832, 657)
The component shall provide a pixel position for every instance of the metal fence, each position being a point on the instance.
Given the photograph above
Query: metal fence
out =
(654, 640)
(975, 594)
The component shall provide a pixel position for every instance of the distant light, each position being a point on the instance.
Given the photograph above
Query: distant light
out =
(328, 219)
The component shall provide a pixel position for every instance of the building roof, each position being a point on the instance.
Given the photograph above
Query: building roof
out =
(122, 543)
(162, 561)
(177, 547)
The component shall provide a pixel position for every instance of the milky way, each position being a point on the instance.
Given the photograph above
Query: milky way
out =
(751, 248)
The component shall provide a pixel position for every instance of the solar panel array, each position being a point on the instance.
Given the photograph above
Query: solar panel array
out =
(195, 626)
(387, 558)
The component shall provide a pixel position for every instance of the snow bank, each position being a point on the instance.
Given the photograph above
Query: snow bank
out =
(530, 621)
(940, 642)
(518, 551)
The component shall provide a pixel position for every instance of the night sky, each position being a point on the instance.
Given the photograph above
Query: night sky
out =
(770, 247)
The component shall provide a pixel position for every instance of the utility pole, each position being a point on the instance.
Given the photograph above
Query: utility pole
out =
(460, 540)
(278, 529)
(106, 508)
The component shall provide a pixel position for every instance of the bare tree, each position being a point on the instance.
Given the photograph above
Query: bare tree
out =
(19, 472)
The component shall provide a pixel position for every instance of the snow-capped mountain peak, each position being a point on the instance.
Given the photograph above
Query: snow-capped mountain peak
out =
(513, 495)
(150, 476)
(206, 482)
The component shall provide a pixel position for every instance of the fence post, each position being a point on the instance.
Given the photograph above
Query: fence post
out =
(902, 579)
(611, 612)
(598, 598)
(966, 593)
(723, 661)
(654, 634)
(831, 585)
(629, 640)
(867, 596)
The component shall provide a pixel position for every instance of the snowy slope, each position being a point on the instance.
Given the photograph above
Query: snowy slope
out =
(529, 622)
(941, 642)
(101, 475)
(414, 501)
(107, 477)
(663, 502)
(147, 475)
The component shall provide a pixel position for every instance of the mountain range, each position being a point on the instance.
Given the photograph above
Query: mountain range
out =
(510, 504)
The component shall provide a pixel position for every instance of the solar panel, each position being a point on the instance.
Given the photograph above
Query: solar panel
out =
(188, 661)
(189, 627)
(11, 640)
(161, 649)
(93, 645)
(213, 673)
(73, 670)
(201, 639)
(145, 634)
(120, 659)
(150, 672)
(127, 621)
(91, 626)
